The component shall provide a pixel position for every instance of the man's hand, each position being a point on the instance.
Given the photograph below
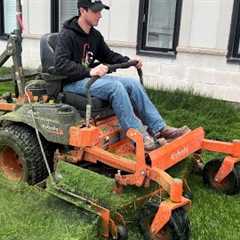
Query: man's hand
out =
(140, 63)
(100, 70)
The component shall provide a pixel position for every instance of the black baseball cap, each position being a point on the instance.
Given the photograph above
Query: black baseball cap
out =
(94, 5)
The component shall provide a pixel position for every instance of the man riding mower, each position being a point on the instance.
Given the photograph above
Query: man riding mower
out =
(79, 45)
(63, 127)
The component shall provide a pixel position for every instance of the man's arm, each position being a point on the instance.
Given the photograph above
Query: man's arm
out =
(63, 63)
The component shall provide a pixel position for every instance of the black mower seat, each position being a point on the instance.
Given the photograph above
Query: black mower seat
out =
(100, 109)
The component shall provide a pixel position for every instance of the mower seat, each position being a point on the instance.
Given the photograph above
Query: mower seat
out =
(55, 82)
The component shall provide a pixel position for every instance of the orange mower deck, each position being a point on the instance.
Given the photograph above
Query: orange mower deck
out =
(90, 143)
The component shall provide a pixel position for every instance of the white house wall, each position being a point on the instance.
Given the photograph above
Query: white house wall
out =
(119, 25)
(206, 23)
(200, 65)
(36, 17)
(104, 26)
(202, 49)
(199, 37)
(123, 21)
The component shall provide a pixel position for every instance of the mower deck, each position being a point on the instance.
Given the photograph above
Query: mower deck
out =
(98, 188)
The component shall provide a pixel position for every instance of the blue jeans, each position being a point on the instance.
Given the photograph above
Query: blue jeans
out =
(128, 99)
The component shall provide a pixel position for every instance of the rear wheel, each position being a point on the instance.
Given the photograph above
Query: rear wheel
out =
(178, 228)
(20, 155)
(230, 185)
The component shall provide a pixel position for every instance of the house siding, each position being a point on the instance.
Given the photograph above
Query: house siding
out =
(200, 65)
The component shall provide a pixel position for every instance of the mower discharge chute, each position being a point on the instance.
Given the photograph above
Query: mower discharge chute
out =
(66, 140)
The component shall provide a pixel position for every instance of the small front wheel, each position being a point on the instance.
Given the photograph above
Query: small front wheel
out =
(122, 232)
(230, 185)
(178, 227)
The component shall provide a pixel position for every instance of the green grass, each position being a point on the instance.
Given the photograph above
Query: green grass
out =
(29, 214)
(87, 183)
(5, 86)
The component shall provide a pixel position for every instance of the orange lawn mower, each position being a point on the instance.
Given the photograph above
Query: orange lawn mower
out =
(66, 140)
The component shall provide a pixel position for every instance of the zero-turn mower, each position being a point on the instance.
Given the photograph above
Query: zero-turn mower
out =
(65, 140)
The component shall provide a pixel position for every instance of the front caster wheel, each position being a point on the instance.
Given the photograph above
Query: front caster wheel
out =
(230, 185)
(122, 232)
(178, 228)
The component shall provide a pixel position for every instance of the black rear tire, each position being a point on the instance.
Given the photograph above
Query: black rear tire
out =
(20, 155)
(230, 185)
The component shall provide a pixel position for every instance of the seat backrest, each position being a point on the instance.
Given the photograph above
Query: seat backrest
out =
(47, 47)
(54, 82)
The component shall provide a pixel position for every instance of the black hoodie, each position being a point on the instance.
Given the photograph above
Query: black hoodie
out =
(76, 51)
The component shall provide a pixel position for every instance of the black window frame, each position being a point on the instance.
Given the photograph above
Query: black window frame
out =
(54, 16)
(233, 54)
(2, 33)
(142, 49)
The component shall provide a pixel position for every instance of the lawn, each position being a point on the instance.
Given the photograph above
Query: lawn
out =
(27, 213)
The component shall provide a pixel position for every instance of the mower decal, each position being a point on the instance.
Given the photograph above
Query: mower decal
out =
(175, 151)
(37, 117)
(53, 130)
(180, 153)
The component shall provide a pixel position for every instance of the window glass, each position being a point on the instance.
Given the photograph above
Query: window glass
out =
(9, 15)
(67, 10)
(158, 26)
(161, 21)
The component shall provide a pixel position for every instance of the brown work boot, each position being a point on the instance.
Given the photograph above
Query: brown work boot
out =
(171, 133)
(150, 144)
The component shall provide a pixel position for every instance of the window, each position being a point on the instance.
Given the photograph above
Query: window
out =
(61, 11)
(158, 26)
(67, 9)
(7, 16)
(1, 19)
(234, 39)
